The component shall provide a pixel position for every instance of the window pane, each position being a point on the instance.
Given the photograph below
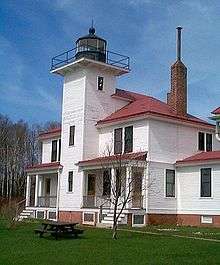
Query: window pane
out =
(206, 182)
(201, 143)
(71, 135)
(54, 151)
(118, 141)
(128, 139)
(70, 181)
(100, 83)
(170, 183)
(208, 142)
(59, 150)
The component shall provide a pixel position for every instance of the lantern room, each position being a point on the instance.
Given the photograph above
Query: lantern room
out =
(91, 47)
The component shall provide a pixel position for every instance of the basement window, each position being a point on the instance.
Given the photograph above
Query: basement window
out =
(138, 219)
(205, 219)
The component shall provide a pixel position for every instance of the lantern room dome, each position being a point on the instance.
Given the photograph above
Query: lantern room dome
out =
(91, 46)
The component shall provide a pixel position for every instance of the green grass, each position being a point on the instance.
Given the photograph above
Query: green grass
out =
(199, 232)
(21, 246)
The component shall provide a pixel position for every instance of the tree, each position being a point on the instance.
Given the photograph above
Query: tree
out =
(127, 182)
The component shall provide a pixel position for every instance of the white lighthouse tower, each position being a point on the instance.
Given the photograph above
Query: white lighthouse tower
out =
(90, 72)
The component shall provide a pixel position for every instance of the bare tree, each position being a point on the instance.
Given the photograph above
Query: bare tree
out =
(127, 182)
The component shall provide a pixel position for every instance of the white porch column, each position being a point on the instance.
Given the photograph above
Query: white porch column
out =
(36, 190)
(145, 189)
(127, 186)
(113, 185)
(28, 189)
(58, 194)
(40, 193)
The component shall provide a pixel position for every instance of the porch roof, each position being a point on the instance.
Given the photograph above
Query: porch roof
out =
(43, 167)
(139, 156)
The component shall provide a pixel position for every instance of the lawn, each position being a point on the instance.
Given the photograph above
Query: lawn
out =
(22, 246)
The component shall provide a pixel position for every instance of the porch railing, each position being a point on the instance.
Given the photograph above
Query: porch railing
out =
(47, 201)
(137, 201)
(91, 201)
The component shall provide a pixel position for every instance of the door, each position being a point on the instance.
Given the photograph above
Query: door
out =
(47, 192)
(91, 190)
(137, 199)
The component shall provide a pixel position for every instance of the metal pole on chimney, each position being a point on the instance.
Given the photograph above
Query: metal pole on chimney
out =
(178, 45)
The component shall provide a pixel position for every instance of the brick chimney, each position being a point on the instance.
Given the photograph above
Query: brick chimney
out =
(177, 98)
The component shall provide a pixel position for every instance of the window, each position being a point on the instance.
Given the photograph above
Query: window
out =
(170, 183)
(106, 183)
(59, 150)
(71, 135)
(138, 219)
(204, 141)
(54, 151)
(100, 83)
(205, 182)
(118, 141)
(128, 139)
(201, 140)
(70, 181)
(208, 142)
(206, 219)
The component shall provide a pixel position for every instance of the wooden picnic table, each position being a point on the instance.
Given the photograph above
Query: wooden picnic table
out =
(56, 228)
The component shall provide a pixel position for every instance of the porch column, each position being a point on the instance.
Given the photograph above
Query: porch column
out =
(127, 186)
(28, 189)
(36, 190)
(113, 186)
(40, 186)
(58, 195)
(146, 186)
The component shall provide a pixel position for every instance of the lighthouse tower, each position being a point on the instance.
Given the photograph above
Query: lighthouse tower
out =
(89, 79)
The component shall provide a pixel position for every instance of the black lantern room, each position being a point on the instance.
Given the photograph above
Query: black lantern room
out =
(91, 46)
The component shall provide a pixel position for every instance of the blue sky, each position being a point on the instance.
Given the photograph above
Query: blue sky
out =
(32, 32)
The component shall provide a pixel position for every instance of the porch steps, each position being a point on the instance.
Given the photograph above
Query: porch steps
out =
(25, 214)
(109, 217)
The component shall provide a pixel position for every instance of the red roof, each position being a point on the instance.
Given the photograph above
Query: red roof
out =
(146, 105)
(52, 165)
(201, 157)
(216, 111)
(114, 158)
(50, 133)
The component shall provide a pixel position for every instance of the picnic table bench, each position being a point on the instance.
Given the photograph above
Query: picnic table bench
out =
(58, 229)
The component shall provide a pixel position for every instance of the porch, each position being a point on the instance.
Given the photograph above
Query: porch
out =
(102, 185)
(42, 186)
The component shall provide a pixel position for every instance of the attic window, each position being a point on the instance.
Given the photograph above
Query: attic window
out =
(100, 83)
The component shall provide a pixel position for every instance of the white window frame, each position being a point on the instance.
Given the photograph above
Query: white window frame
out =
(205, 133)
(169, 198)
(68, 182)
(123, 137)
(97, 83)
(206, 198)
(203, 221)
(138, 225)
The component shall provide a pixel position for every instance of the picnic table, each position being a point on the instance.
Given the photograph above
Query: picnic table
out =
(57, 229)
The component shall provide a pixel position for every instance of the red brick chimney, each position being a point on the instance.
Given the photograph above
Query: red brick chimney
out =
(177, 98)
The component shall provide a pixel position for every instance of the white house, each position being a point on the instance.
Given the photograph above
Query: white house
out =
(178, 153)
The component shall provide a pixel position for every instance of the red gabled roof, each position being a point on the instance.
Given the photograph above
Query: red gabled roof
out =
(45, 166)
(141, 156)
(50, 133)
(216, 111)
(200, 157)
(146, 105)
